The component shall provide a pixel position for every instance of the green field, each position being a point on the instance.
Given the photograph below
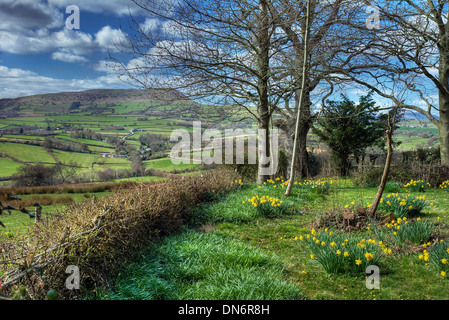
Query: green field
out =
(166, 164)
(18, 221)
(142, 179)
(85, 160)
(26, 153)
(8, 167)
(130, 115)
(65, 136)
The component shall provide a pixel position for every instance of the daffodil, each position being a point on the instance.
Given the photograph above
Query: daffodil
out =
(369, 256)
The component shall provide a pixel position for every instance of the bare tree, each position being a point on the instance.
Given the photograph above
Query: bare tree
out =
(410, 50)
(393, 118)
(301, 101)
(329, 38)
(217, 52)
(65, 171)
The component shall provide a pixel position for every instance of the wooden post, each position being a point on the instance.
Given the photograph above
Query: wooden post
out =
(38, 212)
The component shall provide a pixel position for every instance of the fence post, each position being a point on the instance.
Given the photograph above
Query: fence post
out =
(38, 212)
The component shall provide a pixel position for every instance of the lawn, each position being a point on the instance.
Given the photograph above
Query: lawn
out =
(281, 235)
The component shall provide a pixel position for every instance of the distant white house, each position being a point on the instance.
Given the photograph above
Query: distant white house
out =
(107, 155)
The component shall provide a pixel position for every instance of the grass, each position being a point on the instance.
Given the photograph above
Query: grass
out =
(85, 160)
(200, 266)
(8, 167)
(165, 164)
(26, 153)
(402, 274)
(65, 136)
(142, 179)
(18, 221)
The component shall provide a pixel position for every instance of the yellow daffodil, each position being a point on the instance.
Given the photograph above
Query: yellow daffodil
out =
(369, 256)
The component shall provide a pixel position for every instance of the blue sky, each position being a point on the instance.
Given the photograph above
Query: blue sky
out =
(39, 54)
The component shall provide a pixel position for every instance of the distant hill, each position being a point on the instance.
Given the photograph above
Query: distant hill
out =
(100, 96)
(413, 115)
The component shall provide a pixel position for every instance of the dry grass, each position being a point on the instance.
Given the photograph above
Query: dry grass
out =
(99, 236)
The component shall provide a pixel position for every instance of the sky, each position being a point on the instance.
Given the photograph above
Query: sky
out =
(41, 53)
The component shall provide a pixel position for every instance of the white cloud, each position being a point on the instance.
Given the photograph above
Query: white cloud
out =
(117, 7)
(20, 15)
(68, 57)
(69, 42)
(108, 67)
(109, 39)
(34, 27)
(44, 41)
(150, 25)
(16, 82)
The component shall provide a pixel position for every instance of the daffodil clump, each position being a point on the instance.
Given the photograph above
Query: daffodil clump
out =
(320, 186)
(438, 257)
(403, 206)
(353, 205)
(338, 252)
(416, 231)
(445, 185)
(236, 183)
(278, 182)
(268, 206)
(417, 186)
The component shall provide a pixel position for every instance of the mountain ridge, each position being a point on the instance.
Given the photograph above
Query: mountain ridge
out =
(95, 96)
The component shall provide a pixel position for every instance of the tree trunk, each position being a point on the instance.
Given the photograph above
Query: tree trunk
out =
(263, 172)
(391, 122)
(302, 162)
(443, 78)
(444, 128)
(302, 168)
(263, 107)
